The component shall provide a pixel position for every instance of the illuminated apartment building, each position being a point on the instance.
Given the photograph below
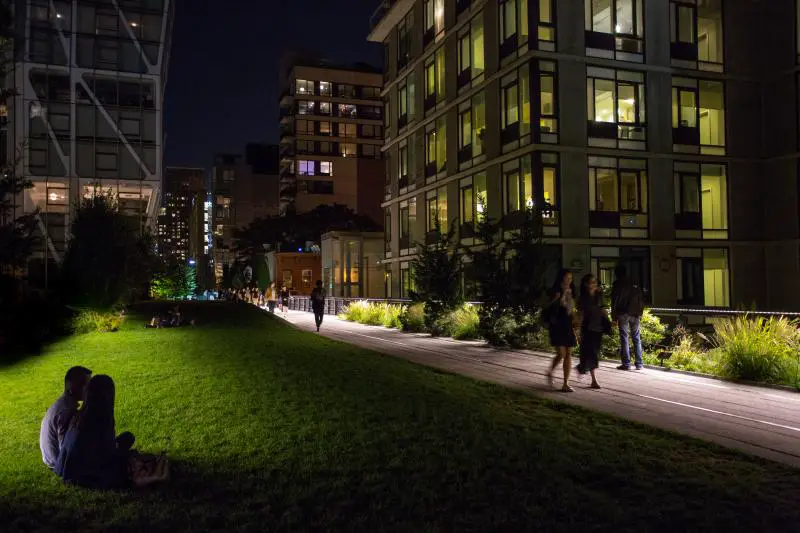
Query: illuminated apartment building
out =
(659, 134)
(331, 137)
(90, 78)
(184, 188)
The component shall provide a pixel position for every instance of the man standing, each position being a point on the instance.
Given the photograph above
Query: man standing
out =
(627, 307)
(318, 303)
(56, 420)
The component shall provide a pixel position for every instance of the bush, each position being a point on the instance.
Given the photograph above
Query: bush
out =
(461, 323)
(412, 318)
(373, 314)
(523, 332)
(653, 332)
(91, 321)
(758, 349)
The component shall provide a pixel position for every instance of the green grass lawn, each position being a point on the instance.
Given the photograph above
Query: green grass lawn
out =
(270, 428)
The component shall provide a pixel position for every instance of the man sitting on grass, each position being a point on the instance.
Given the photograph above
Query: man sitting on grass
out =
(57, 419)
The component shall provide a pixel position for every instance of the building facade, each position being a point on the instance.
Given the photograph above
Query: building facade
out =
(658, 134)
(352, 264)
(177, 232)
(243, 188)
(297, 272)
(331, 137)
(88, 115)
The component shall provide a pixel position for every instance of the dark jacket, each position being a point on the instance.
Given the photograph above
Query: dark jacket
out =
(626, 298)
(591, 313)
(90, 458)
(318, 298)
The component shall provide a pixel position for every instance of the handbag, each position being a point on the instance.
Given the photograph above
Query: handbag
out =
(148, 469)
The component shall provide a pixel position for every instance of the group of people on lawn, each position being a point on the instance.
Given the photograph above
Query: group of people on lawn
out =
(78, 438)
(574, 318)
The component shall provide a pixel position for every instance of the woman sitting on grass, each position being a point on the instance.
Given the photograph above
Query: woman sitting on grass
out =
(92, 455)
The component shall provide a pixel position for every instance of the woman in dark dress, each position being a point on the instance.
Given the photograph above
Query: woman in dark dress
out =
(594, 322)
(561, 326)
(92, 455)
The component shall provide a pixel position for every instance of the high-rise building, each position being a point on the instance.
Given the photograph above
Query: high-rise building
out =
(657, 134)
(177, 233)
(331, 137)
(88, 115)
(242, 190)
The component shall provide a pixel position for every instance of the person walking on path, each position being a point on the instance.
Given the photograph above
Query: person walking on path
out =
(318, 303)
(560, 317)
(285, 301)
(594, 324)
(627, 308)
(272, 297)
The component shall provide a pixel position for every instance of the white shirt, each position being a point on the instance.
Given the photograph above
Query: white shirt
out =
(54, 427)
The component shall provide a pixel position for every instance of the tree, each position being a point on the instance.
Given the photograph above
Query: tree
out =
(528, 265)
(175, 282)
(436, 273)
(109, 259)
(17, 231)
(262, 272)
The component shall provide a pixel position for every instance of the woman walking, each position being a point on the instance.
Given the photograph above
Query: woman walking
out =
(285, 301)
(561, 325)
(594, 323)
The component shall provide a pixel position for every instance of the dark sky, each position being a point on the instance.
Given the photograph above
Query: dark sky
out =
(222, 90)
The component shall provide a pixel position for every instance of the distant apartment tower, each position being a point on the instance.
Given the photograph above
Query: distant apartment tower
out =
(88, 117)
(331, 137)
(656, 134)
(243, 188)
(184, 188)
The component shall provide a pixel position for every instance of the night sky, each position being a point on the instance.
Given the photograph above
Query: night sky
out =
(222, 89)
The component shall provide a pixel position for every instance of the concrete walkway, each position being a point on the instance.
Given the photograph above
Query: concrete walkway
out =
(761, 421)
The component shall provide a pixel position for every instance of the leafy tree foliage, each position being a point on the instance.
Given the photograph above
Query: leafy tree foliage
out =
(262, 272)
(436, 273)
(175, 282)
(109, 259)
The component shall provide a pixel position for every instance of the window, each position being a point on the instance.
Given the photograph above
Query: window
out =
(306, 277)
(436, 147)
(403, 164)
(370, 131)
(405, 33)
(615, 29)
(325, 88)
(371, 93)
(347, 110)
(436, 214)
(434, 79)
(471, 127)
(371, 151)
(696, 34)
(324, 108)
(406, 280)
(616, 108)
(304, 87)
(515, 98)
(471, 60)
(305, 107)
(434, 19)
(387, 230)
(319, 187)
(325, 147)
(326, 168)
(703, 277)
(372, 112)
(408, 223)
(305, 168)
(472, 203)
(701, 201)
(304, 147)
(304, 127)
(618, 197)
(345, 90)
(698, 116)
(547, 24)
(513, 26)
(548, 122)
(287, 279)
(324, 128)
(347, 149)
(57, 198)
(106, 161)
(347, 130)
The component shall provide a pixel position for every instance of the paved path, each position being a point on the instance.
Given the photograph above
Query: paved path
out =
(757, 420)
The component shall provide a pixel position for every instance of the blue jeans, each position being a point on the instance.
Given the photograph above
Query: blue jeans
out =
(629, 327)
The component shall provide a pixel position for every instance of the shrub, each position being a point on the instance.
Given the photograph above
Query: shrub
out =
(461, 323)
(412, 318)
(524, 331)
(373, 314)
(391, 316)
(355, 312)
(758, 349)
(688, 355)
(92, 320)
(653, 332)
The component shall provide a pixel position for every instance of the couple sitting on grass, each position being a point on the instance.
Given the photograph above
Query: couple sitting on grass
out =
(80, 444)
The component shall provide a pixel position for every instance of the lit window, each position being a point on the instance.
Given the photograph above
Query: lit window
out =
(615, 29)
(434, 19)
(472, 127)
(406, 101)
(616, 108)
(405, 32)
(696, 34)
(324, 108)
(347, 149)
(513, 26)
(304, 87)
(435, 78)
(325, 88)
(472, 203)
(698, 115)
(515, 104)
(701, 201)
(305, 168)
(305, 107)
(436, 147)
(471, 60)
(618, 196)
(703, 277)
(436, 211)
(326, 168)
